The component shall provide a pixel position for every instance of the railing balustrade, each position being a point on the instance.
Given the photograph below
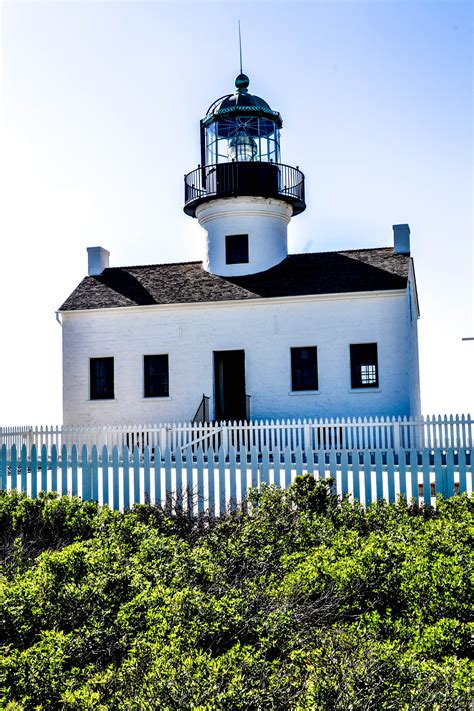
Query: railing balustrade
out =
(244, 178)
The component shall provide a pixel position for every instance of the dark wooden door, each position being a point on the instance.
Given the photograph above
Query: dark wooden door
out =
(229, 385)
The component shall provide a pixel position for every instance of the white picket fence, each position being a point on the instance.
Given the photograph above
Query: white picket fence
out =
(219, 481)
(436, 431)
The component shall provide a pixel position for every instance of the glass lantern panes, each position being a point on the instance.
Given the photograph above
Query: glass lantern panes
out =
(242, 138)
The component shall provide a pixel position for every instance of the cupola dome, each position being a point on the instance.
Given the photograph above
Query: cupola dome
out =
(241, 101)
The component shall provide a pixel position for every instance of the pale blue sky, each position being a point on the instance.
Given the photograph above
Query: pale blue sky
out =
(101, 104)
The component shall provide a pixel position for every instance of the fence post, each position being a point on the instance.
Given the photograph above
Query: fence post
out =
(440, 474)
(306, 436)
(396, 434)
(225, 439)
(162, 438)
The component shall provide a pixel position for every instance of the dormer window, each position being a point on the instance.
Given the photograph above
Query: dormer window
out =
(236, 249)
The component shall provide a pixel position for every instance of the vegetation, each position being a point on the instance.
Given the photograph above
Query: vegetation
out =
(306, 602)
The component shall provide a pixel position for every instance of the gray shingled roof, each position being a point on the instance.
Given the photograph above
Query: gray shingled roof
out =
(187, 282)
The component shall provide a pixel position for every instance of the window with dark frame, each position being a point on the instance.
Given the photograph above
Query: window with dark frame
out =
(364, 365)
(101, 378)
(236, 249)
(304, 368)
(155, 376)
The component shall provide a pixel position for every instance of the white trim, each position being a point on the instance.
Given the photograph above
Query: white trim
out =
(304, 392)
(104, 399)
(411, 273)
(364, 390)
(236, 303)
(244, 206)
(156, 397)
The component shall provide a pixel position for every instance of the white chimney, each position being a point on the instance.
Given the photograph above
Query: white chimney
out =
(98, 260)
(401, 239)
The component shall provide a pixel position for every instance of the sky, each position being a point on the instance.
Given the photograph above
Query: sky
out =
(100, 108)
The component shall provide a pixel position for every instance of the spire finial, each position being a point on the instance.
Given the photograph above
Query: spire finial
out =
(241, 81)
(240, 48)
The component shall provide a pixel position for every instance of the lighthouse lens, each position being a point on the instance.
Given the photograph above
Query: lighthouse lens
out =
(242, 147)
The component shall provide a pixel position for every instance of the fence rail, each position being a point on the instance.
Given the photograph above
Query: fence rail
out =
(196, 481)
(384, 433)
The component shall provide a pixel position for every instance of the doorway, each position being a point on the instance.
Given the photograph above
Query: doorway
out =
(229, 385)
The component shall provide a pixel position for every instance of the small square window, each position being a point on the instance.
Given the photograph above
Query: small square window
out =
(304, 368)
(101, 378)
(364, 365)
(236, 249)
(155, 376)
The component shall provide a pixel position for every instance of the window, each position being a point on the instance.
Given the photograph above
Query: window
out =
(236, 249)
(304, 368)
(101, 378)
(364, 367)
(155, 376)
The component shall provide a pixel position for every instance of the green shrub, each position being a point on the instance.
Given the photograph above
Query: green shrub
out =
(305, 602)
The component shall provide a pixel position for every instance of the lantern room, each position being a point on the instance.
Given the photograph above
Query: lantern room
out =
(240, 127)
(240, 154)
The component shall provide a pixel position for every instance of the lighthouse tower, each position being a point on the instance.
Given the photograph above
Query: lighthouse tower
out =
(241, 194)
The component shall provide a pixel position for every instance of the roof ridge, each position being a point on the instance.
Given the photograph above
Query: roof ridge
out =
(161, 264)
(294, 254)
(342, 251)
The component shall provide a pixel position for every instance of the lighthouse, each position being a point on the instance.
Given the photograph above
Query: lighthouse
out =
(251, 331)
(241, 193)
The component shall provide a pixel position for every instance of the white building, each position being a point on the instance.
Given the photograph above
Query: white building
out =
(257, 331)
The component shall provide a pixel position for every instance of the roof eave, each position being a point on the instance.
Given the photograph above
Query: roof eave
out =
(239, 302)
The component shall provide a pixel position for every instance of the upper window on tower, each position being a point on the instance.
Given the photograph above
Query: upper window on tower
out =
(236, 249)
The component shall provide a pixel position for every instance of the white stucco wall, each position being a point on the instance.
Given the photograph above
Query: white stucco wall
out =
(264, 220)
(266, 330)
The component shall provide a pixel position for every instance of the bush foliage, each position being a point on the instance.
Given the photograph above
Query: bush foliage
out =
(304, 602)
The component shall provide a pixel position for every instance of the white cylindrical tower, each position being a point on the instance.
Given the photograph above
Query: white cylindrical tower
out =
(241, 194)
(245, 235)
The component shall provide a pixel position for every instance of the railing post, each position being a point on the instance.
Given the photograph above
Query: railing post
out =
(31, 439)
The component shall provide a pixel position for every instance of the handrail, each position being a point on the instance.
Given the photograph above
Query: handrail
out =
(256, 178)
(247, 407)
(202, 413)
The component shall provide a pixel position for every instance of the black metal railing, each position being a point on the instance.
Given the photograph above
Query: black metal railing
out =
(202, 413)
(244, 178)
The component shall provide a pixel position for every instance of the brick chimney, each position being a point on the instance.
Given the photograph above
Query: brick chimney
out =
(401, 239)
(98, 260)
